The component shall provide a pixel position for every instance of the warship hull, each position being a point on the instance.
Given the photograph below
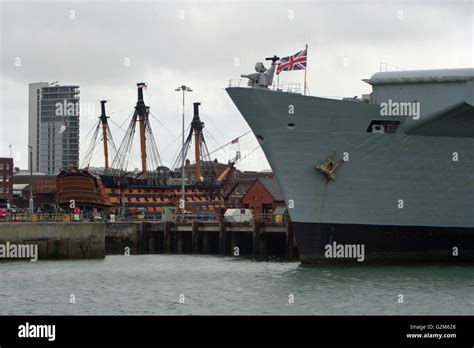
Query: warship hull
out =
(405, 194)
(385, 243)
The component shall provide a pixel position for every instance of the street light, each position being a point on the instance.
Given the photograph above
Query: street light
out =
(31, 180)
(184, 89)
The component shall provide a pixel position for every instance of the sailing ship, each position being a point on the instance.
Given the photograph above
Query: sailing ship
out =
(117, 190)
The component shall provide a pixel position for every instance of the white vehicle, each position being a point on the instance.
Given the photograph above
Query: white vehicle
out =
(238, 215)
(169, 214)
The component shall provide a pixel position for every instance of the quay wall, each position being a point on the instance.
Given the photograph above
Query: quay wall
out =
(76, 240)
(58, 240)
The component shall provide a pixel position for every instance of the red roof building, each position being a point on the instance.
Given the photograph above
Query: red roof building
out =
(263, 198)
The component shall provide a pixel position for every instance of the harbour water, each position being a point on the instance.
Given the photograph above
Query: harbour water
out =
(211, 285)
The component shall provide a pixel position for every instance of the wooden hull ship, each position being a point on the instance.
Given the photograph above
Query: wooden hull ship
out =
(118, 191)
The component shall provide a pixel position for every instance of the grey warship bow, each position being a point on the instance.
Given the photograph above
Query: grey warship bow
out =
(392, 171)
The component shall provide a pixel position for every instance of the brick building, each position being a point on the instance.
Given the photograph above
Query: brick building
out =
(6, 182)
(237, 180)
(244, 181)
(263, 198)
(44, 188)
(206, 169)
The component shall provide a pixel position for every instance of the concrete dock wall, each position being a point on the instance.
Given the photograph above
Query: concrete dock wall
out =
(58, 240)
(121, 235)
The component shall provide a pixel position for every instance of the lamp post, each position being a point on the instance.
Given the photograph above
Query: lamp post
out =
(184, 89)
(31, 180)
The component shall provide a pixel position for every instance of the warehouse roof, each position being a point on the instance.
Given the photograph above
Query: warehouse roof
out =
(26, 172)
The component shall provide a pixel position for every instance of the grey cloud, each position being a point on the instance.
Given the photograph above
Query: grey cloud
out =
(200, 49)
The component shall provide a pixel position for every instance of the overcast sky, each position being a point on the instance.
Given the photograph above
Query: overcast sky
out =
(170, 43)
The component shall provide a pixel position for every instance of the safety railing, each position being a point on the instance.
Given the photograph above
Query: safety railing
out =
(288, 87)
(37, 217)
(129, 217)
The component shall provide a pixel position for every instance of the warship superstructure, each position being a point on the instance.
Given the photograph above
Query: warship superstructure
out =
(392, 171)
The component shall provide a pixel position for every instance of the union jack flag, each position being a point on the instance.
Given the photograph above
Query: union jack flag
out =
(294, 62)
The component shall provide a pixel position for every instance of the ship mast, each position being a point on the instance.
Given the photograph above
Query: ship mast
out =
(197, 127)
(204, 168)
(150, 158)
(107, 140)
(141, 110)
(103, 118)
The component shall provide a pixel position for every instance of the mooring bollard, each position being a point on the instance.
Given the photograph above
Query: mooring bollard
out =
(222, 238)
(256, 239)
(167, 238)
(205, 242)
(195, 237)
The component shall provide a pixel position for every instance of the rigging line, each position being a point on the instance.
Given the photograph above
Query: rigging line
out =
(119, 126)
(127, 118)
(155, 160)
(120, 116)
(230, 142)
(206, 158)
(128, 153)
(111, 140)
(120, 110)
(125, 145)
(92, 144)
(153, 143)
(172, 143)
(177, 159)
(123, 130)
(86, 138)
(248, 154)
(178, 155)
(181, 145)
(161, 123)
(178, 162)
(111, 156)
(88, 133)
(94, 153)
(149, 157)
(125, 154)
(203, 111)
(211, 137)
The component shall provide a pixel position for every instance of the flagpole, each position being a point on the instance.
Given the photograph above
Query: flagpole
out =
(306, 69)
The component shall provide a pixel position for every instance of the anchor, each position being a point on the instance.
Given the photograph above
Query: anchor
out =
(328, 168)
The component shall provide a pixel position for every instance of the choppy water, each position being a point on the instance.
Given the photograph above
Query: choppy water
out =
(152, 284)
